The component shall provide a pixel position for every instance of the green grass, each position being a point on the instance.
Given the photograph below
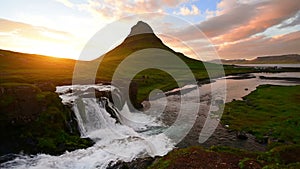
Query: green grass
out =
(269, 111)
(286, 157)
(172, 156)
(36, 121)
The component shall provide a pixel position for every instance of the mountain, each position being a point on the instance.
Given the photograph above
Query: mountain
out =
(140, 28)
(141, 37)
(279, 59)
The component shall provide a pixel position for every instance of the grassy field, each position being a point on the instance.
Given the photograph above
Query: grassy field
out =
(271, 113)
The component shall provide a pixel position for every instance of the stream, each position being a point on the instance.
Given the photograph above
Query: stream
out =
(136, 134)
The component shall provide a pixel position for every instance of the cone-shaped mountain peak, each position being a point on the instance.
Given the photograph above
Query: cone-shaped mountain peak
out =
(141, 37)
(140, 28)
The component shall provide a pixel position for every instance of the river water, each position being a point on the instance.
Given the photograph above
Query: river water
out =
(142, 134)
(271, 65)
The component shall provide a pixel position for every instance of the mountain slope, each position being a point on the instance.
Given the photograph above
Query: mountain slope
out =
(135, 41)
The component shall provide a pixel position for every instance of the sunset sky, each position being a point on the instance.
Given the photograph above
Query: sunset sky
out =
(237, 28)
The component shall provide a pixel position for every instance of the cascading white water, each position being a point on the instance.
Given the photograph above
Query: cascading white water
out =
(113, 141)
(137, 134)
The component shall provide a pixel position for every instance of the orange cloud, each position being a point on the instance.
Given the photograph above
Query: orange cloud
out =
(238, 28)
(266, 15)
(260, 45)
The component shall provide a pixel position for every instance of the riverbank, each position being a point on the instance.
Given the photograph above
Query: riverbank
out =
(270, 113)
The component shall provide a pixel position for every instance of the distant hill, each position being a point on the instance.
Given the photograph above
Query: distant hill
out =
(280, 59)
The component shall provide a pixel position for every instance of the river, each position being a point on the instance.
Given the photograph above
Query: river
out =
(271, 65)
(129, 138)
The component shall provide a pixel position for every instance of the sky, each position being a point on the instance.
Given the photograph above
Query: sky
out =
(237, 29)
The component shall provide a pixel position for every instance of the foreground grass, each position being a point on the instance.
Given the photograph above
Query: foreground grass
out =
(271, 113)
(218, 157)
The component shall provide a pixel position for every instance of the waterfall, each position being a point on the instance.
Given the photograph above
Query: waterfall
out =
(117, 136)
(92, 115)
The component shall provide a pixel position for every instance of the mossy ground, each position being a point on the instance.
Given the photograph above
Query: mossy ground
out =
(35, 121)
(270, 112)
(219, 157)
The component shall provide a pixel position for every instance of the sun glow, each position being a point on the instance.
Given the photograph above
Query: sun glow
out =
(50, 48)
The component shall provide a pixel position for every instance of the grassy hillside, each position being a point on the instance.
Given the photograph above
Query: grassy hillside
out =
(30, 68)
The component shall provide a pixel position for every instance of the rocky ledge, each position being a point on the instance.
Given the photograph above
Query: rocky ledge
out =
(33, 120)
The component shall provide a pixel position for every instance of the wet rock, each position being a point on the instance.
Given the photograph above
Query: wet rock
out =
(242, 76)
(2, 90)
(219, 102)
(7, 157)
(140, 163)
(241, 135)
(110, 109)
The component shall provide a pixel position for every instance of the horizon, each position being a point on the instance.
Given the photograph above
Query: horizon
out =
(237, 29)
